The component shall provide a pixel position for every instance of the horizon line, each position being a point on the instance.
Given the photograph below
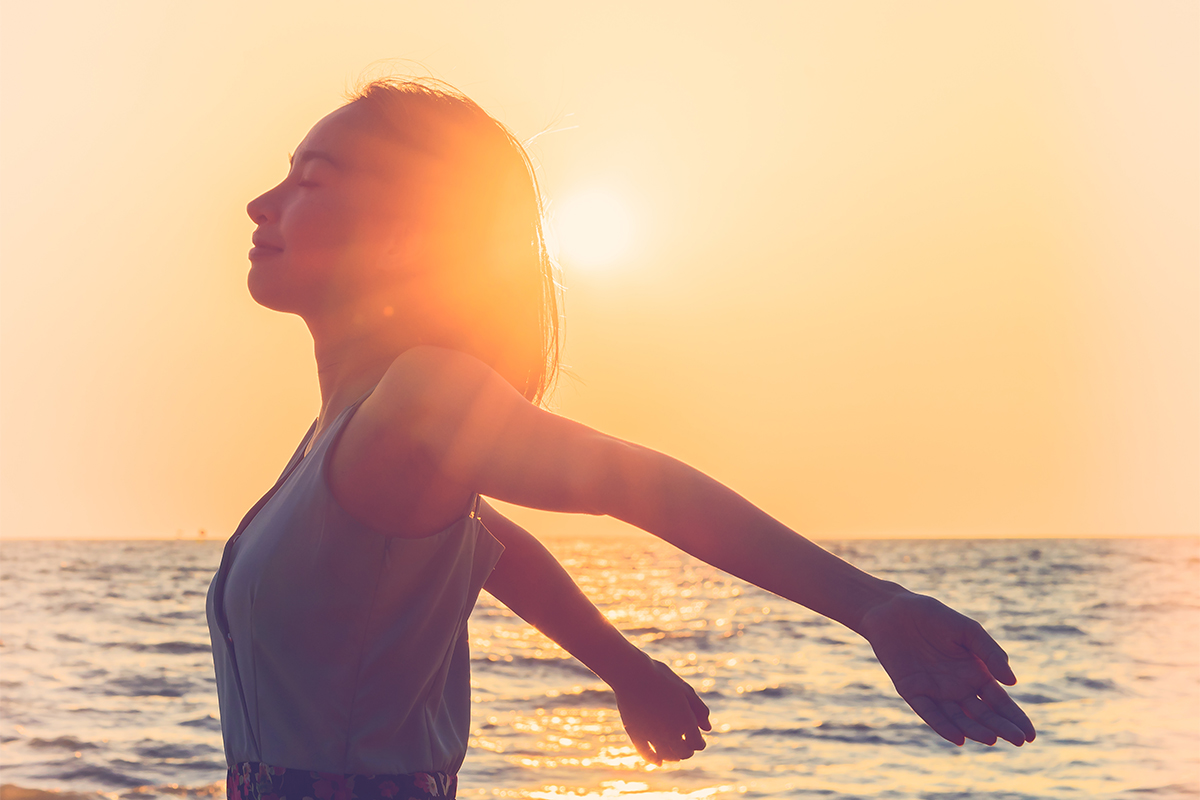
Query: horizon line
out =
(635, 532)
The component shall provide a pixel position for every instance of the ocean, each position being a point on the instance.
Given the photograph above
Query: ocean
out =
(106, 685)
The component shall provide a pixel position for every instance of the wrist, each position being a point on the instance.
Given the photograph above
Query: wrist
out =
(869, 593)
(621, 664)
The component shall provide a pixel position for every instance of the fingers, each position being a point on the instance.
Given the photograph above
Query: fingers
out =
(700, 712)
(644, 750)
(693, 741)
(982, 713)
(985, 648)
(676, 747)
(993, 714)
(995, 696)
(972, 729)
(660, 745)
(928, 711)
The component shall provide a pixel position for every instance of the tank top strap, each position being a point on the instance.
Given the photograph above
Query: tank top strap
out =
(327, 439)
(326, 442)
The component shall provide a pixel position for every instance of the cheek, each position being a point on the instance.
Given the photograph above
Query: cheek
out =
(341, 238)
(315, 230)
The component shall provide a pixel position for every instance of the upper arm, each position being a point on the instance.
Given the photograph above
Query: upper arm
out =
(474, 428)
(441, 426)
(510, 574)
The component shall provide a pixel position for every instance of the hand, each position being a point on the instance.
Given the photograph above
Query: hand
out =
(662, 714)
(946, 667)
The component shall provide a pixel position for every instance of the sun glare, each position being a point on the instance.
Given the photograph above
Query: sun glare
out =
(592, 228)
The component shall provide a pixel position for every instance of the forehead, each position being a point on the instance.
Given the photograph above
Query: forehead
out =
(351, 138)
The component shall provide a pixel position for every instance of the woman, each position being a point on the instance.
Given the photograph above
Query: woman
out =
(407, 236)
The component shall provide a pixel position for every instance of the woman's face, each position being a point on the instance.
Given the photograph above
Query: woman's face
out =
(341, 225)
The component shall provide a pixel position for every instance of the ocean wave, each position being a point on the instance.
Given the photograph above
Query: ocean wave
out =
(827, 640)
(528, 666)
(1037, 633)
(148, 686)
(584, 697)
(1174, 790)
(162, 751)
(643, 631)
(215, 791)
(767, 692)
(1165, 606)
(973, 795)
(78, 606)
(1033, 699)
(1076, 567)
(102, 774)
(208, 722)
(62, 743)
(10, 791)
(854, 733)
(170, 648)
(1095, 684)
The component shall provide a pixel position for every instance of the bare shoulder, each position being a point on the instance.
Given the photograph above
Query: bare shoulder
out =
(388, 470)
(427, 378)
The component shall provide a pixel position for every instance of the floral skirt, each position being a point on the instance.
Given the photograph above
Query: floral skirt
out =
(250, 780)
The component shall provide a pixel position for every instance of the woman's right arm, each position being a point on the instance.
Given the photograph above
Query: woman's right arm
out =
(661, 713)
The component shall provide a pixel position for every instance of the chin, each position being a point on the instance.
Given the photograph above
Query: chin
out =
(269, 292)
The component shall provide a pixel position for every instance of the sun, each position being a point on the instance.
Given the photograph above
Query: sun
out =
(593, 228)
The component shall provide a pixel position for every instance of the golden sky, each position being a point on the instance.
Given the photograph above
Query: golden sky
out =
(895, 268)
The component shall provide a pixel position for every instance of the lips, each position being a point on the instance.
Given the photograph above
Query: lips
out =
(263, 247)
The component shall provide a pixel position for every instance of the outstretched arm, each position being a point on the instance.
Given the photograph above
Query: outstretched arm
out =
(943, 664)
(661, 713)
(440, 412)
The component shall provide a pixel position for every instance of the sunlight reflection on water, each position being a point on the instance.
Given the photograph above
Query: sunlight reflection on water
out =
(106, 680)
(624, 789)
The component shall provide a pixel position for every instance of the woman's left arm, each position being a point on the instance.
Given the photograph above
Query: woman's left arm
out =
(467, 424)
(662, 714)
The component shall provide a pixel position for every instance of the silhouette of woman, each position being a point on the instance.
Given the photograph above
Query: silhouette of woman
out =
(407, 235)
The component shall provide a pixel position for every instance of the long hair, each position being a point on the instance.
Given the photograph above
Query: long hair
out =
(489, 220)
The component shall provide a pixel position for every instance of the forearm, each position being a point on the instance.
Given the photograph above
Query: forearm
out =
(531, 582)
(712, 522)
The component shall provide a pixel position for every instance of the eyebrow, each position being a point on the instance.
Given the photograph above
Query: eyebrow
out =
(310, 155)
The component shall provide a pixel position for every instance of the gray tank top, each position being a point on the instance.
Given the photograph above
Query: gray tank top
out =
(339, 649)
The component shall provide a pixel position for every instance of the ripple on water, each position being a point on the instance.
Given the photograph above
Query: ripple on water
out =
(170, 648)
(149, 686)
(62, 743)
(172, 752)
(208, 722)
(1095, 684)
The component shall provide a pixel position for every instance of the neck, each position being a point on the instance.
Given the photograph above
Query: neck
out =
(352, 356)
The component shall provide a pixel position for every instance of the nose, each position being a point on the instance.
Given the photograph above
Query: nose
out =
(261, 209)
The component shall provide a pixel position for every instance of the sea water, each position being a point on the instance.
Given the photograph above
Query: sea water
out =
(106, 681)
